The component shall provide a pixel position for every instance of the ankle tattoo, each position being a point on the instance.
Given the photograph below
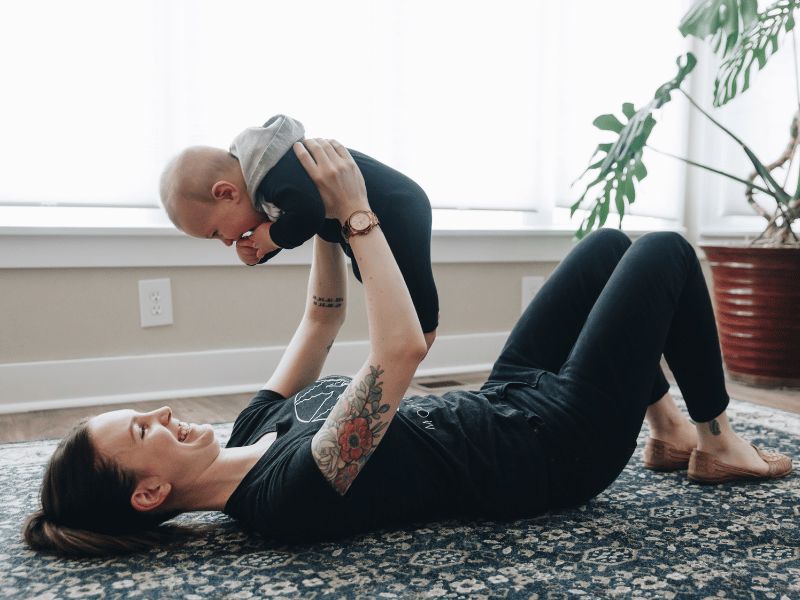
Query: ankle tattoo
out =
(714, 427)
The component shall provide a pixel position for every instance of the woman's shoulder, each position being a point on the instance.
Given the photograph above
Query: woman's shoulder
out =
(285, 495)
(252, 418)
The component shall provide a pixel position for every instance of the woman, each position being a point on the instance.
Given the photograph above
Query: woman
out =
(312, 459)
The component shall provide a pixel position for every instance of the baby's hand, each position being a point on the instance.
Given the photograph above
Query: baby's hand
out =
(247, 252)
(261, 240)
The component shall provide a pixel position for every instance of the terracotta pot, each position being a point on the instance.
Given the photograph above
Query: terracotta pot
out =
(757, 304)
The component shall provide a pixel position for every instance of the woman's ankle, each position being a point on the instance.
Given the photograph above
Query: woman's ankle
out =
(717, 436)
(668, 424)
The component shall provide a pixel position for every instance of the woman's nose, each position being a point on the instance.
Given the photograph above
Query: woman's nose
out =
(163, 415)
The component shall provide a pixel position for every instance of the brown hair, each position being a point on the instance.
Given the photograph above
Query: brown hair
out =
(86, 505)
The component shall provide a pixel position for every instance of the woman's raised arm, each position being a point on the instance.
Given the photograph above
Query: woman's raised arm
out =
(326, 309)
(356, 425)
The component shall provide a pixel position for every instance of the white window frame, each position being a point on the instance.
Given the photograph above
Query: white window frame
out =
(48, 237)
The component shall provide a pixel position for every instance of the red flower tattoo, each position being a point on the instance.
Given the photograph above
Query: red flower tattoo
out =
(345, 477)
(355, 438)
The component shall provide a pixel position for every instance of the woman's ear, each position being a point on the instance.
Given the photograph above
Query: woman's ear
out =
(150, 492)
(225, 190)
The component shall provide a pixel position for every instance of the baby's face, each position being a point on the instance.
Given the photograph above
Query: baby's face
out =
(225, 220)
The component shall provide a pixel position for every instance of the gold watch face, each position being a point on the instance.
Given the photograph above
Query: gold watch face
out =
(359, 221)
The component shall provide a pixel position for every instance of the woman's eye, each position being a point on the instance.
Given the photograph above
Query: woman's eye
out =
(142, 435)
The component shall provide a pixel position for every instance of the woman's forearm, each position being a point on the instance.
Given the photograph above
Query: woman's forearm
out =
(325, 311)
(394, 328)
(326, 301)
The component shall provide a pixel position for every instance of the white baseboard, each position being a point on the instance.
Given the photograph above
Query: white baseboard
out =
(45, 385)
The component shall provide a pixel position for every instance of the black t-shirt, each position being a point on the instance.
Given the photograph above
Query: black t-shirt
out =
(401, 205)
(463, 453)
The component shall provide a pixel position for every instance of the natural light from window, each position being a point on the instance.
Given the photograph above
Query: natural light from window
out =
(486, 105)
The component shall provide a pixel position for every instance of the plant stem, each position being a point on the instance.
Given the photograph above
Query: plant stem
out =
(796, 68)
(723, 173)
(779, 194)
(714, 121)
(797, 90)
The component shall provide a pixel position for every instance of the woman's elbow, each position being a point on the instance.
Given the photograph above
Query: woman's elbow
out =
(415, 350)
(408, 351)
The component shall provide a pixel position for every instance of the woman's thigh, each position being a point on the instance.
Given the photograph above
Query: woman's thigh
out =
(594, 406)
(657, 290)
(547, 330)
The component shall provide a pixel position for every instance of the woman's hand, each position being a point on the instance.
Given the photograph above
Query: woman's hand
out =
(336, 176)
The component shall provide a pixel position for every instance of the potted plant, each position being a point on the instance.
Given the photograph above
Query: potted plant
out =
(756, 285)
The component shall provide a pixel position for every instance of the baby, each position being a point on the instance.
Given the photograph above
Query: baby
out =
(260, 197)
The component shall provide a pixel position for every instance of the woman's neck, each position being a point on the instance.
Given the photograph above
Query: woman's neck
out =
(213, 488)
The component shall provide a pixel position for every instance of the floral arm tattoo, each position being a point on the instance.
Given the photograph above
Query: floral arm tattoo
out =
(350, 433)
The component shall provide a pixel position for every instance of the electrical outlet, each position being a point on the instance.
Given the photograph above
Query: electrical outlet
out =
(530, 285)
(155, 302)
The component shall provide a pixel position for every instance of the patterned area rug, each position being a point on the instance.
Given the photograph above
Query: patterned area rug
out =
(650, 535)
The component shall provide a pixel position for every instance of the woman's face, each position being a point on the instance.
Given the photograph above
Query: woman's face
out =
(154, 444)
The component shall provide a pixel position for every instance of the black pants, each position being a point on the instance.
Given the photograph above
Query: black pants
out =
(584, 357)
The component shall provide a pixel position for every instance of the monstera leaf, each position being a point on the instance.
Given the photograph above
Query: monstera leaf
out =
(622, 163)
(749, 37)
(725, 19)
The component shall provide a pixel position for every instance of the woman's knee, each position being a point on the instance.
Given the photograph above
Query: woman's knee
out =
(669, 247)
(609, 238)
(667, 241)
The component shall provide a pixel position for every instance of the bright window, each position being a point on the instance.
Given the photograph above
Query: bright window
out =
(486, 105)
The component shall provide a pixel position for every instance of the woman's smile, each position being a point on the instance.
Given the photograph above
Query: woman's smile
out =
(183, 431)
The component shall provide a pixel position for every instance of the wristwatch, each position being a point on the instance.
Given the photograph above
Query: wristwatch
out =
(360, 222)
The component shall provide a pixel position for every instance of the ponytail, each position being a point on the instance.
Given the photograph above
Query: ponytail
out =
(46, 536)
(86, 506)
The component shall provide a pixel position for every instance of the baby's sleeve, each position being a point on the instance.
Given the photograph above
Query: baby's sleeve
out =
(288, 186)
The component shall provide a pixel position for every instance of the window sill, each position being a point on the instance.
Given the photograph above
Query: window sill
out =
(65, 237)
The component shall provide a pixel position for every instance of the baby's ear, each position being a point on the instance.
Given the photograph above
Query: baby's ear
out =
(225, 190)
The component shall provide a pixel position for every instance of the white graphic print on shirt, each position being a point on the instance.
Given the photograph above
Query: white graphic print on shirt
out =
(316, 402)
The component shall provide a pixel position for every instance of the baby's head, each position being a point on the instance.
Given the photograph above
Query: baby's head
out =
(205, 195)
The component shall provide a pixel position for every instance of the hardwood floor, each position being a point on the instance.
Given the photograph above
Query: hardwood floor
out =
(56, 423)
